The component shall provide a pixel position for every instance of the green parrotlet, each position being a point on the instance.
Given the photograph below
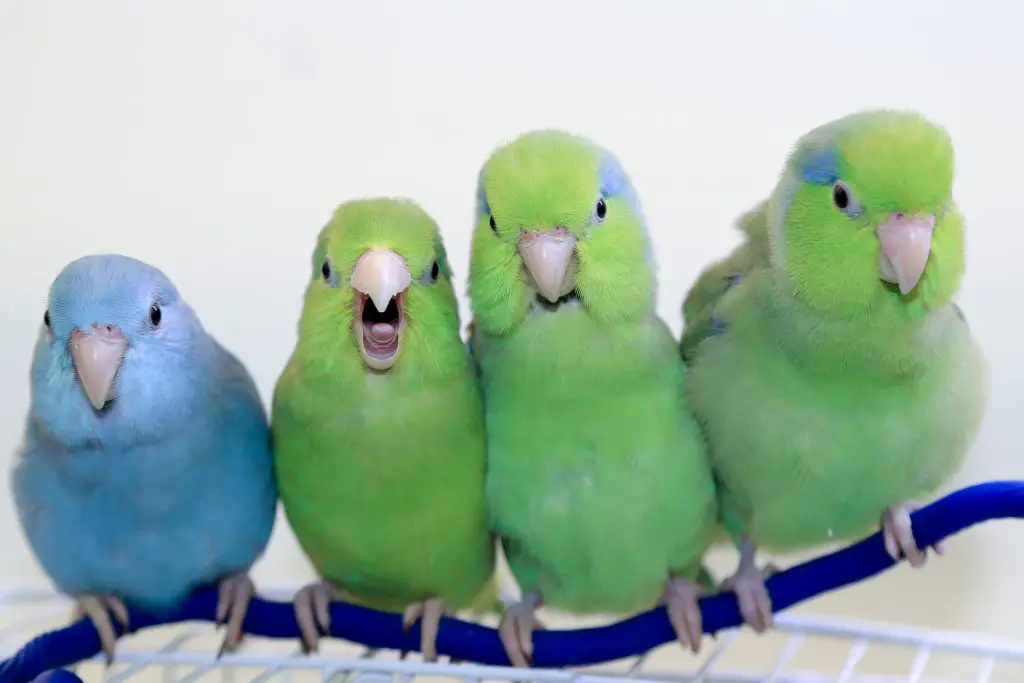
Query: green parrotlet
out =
(598, 478)
(378, 427)
(836, 380)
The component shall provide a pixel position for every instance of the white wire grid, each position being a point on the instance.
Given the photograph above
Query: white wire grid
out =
(802, 649)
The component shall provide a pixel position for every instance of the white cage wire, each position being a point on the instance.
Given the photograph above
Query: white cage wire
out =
(802, 649)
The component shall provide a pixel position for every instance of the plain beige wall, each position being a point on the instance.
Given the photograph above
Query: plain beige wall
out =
(214, 138)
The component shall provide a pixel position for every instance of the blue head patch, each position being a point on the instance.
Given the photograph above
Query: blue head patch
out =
(482, 208)
(615, 182)
(819, 166)
(813, 162)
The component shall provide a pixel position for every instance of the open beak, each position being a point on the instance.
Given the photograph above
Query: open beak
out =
(97, 355)
(548, 256)
(380, 279)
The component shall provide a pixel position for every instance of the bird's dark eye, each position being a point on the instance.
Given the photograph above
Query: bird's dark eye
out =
(46, 318)
(494, 225)
(155, 316)
(845, 201)
(601, 210)
(430, 274)
(840, 196)
(325, 269)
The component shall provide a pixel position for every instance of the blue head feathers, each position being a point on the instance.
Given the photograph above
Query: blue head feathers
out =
(616, 183)
(819, 165)
(613, 181)
(118, 347)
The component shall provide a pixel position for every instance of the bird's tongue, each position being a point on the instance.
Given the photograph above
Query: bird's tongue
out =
(382, 333)
(380, 338)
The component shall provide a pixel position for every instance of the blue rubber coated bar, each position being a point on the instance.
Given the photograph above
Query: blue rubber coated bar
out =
(552, 648)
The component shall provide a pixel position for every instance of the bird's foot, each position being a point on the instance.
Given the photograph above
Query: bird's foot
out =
(518, 623)
(312, 610)
(680, 598)
(98, 608)
(428, 613)
(755, 603)
(233, 596)
(899, 536)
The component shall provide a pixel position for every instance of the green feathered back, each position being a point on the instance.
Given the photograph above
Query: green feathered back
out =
(698, 307)
(598, 480)
(382, 474)
(827, 396)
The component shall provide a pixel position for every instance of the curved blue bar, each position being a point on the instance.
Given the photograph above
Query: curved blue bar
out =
(480, 644)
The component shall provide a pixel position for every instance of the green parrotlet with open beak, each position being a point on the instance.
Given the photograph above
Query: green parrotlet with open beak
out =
(378, 428)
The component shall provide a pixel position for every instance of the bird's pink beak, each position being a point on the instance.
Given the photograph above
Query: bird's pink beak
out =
(97, 355)
(906, 243)
(547, 256)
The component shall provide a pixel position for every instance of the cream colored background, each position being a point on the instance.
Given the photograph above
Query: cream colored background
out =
(214, 138)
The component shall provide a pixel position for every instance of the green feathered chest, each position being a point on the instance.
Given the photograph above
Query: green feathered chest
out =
(806, 455)
(383, 485)
(597, 476)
